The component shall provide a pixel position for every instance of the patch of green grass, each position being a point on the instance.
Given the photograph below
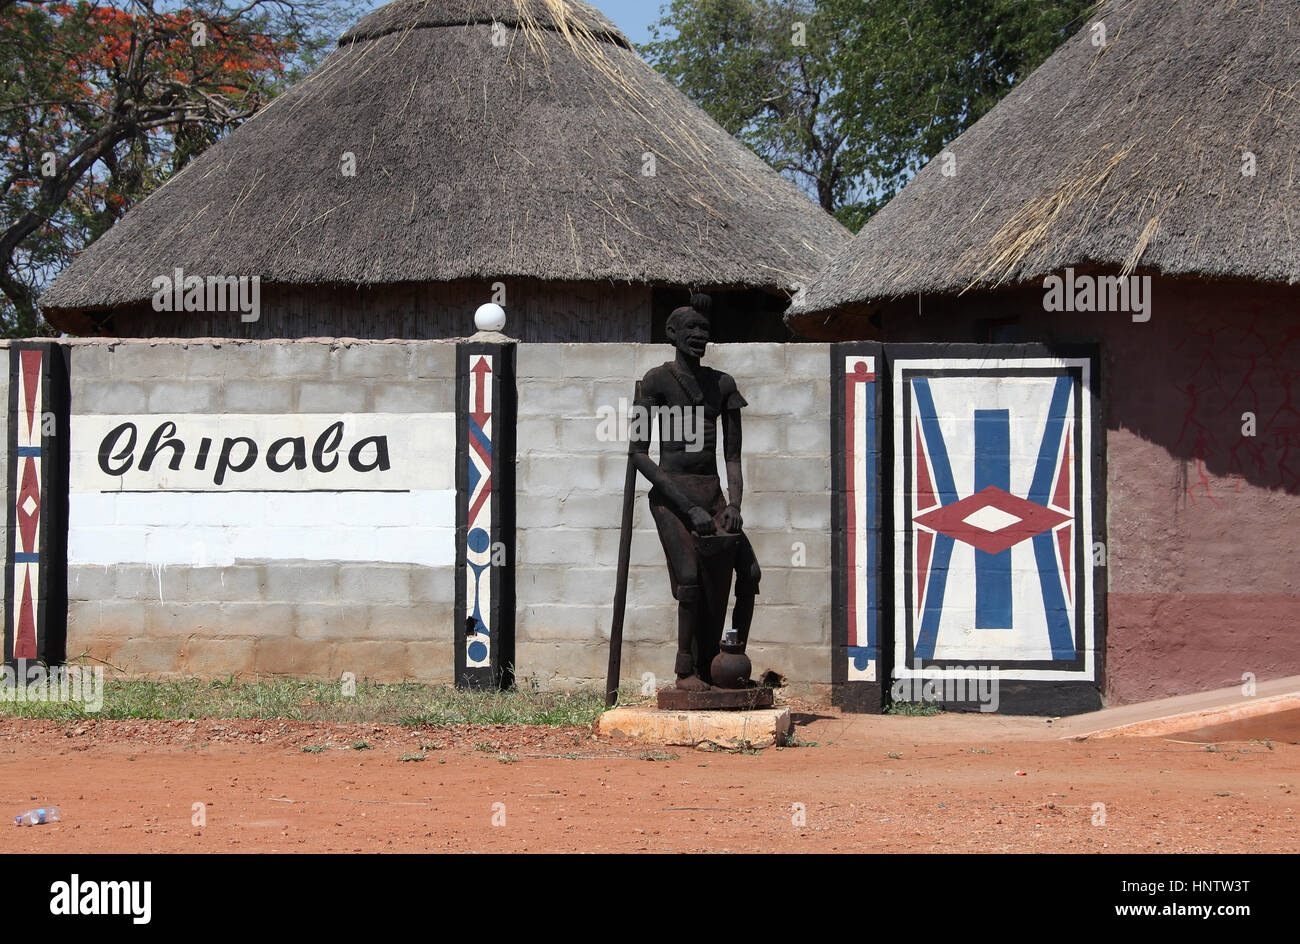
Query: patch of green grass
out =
(740, 747)
(408, 703)
(978, 750)
(892, 755)
(361, 745)
(657, 756)
(414, 756)
(794, 740)
(313, 748)
(554, 709)
(920, 708)
(506, 759)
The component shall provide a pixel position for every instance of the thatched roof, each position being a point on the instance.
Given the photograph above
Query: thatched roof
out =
(472, 161)
(1127, 154)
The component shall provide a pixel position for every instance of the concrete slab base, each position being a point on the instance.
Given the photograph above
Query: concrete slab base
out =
(761, 727)
(1257, 710)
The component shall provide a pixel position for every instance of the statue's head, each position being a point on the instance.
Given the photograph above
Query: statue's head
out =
(688, 328)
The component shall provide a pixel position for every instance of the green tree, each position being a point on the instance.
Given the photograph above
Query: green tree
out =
(914, 74)
(877, 88)
(766, 72)
(101, 102)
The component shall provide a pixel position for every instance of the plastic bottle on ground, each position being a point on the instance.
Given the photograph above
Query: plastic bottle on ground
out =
(43, 814)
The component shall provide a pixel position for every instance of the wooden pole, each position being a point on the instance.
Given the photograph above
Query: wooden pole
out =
(620, 587)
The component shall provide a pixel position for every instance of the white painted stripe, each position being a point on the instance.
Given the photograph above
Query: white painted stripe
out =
(859, 511)
(217, 530)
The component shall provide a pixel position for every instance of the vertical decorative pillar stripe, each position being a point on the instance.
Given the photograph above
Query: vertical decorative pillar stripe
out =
(857, 674)
(485, 515)
(35, 581)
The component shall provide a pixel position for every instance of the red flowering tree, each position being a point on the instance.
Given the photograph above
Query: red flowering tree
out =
(101, 101)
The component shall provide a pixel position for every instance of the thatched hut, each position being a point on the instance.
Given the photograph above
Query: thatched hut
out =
(448, 145)
(1161, 141)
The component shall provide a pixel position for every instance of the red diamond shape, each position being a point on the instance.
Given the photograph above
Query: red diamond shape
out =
(1033, 519)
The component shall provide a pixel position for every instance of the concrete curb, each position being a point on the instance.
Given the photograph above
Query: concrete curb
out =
(1190, 720)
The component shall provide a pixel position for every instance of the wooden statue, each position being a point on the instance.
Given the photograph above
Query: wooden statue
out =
(699, 527)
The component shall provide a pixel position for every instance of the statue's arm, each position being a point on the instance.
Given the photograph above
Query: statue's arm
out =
(640, 449)
(731, 444)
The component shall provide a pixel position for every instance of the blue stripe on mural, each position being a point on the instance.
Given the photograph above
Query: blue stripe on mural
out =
(476, 431)
(938, 582)
(27, 557)
(993, 467)
(1045, 470)
(940, 468)
(1058, 617)
(33, 451)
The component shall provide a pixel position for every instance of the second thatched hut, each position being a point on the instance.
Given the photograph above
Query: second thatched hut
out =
(1141, 190)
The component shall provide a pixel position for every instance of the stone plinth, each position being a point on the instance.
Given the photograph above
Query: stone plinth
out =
(763, 727)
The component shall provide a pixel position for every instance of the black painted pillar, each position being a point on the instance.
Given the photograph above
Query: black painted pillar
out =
(36, 523)
(486, 411)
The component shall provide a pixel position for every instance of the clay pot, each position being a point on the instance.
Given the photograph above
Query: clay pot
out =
(731, 667)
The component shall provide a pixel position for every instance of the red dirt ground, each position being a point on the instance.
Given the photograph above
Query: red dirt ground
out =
(973, 783)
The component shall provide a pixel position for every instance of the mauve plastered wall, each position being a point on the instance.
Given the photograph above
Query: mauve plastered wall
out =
(1202, 580)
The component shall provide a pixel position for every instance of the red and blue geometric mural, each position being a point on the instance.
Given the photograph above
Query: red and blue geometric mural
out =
(35, 580)
(485, 516)
(996, 476)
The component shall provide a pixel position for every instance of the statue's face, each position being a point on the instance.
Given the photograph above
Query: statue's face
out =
(690, 334)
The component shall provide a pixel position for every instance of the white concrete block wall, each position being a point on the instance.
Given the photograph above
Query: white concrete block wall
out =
(570, 506)
(394, 620)
(4, 424)
(377, 614)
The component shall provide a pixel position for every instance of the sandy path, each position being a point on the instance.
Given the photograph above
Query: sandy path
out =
(130, 786)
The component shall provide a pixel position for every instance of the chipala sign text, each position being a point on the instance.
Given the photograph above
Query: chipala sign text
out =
(240, 453)
(262, 452)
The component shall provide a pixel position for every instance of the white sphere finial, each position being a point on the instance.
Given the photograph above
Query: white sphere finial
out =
(490, 317)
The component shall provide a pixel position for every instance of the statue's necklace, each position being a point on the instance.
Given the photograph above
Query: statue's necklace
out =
(687, 383)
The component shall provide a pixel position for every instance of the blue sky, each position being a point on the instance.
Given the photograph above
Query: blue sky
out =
(633, 17)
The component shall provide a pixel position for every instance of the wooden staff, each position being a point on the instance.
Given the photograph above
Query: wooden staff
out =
(624, 560)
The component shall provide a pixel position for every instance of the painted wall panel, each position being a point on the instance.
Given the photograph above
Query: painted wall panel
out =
(263, 487)
(994, 512)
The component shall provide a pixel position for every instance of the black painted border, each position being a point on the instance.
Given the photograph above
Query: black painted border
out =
(857, 696)
(52, 537)
(1032, 696)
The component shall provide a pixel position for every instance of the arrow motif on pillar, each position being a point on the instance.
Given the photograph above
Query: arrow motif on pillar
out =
(478, 550)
